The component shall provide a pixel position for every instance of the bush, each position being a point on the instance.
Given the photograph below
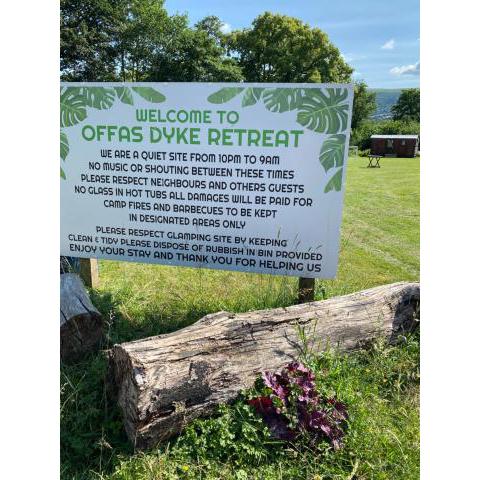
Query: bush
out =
(361, 135)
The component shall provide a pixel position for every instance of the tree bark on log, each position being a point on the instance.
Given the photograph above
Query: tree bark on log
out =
(80, 322)
(164, 382)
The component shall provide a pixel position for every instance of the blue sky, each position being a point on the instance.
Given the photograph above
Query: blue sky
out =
(378, 38)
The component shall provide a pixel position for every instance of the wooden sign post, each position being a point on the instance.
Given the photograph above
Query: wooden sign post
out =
(306, 290)
(89, 272)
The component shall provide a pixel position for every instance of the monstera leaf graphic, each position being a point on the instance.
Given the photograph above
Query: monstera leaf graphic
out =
(64, 147)
(224, 94)
(251, 96)
(335, 183)
(75, 100)
(100, 98)
(124, 95)
(72, 106)
(149, 94)
(281, 100)
(333, 151)
(324, 112)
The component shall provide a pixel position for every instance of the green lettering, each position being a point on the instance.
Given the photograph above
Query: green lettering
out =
(253, 138)
(281, 138)
(88, 133)
(155, 135)
(227, 137)
(267, 138)
(296, 133)
(214, 136)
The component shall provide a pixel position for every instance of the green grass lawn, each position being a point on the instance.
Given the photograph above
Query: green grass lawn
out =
(380, 244)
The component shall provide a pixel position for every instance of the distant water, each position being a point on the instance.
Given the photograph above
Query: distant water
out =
(386, 98)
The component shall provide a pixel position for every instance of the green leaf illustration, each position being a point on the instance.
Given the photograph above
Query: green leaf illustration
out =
(281, 100)
(62, 173)
(149, 94)
(64, 147)
(72, 107)
(124, 95)
(333, 151)
(335, 183)
(224, 94)
(251, 96)
(100, 98)
(324, 112)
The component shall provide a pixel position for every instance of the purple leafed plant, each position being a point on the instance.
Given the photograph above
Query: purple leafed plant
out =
(292, 407)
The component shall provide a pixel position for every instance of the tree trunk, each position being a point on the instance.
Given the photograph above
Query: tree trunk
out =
(164, 382)
(80, 321)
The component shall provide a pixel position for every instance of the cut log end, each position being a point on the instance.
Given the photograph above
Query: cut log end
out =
(80, 322)
(164, 382)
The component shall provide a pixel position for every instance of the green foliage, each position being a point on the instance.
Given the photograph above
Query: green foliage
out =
(378, 246)
(124, 95)
(224, 94)
(89, 31)
(196, 54)
(251, 96)
(236, 435)
(64, 147)
(149, 94)
(101, 98)
(324, 112)
(407, 107)
(281, 100)
(320, 111)
(335, 182)
(75, 100)
(278, 48)
(333, 151)
(72, 106)
(380, 386)
(361, 135)
(91, 426)
(364, 103)
(105, 40)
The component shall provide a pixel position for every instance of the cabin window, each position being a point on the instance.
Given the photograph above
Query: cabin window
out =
(404, 142)
(389, 143)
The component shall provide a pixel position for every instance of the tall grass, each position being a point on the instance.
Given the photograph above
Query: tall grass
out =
(380, 243)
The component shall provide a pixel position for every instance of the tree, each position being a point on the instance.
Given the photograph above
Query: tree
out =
(196, 54)
(364, 103)
(89, 31)
(147, 33)
(279, 48)
(408, 105)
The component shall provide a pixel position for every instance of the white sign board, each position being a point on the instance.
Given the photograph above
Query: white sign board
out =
(242, 176)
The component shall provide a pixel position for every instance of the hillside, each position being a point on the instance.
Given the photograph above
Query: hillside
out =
(386, 98)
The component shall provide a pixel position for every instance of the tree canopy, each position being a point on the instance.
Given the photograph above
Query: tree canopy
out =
(408, 105)
(364, 103)
(137, 40)
(278, 48)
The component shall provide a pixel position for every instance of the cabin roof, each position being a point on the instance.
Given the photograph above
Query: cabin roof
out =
(403, 137)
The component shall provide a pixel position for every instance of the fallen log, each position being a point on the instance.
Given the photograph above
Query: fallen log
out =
(166, 381)
(80, 321)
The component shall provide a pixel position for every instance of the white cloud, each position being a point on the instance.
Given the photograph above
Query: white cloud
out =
(413, 69)
(390, 45)
(352, 57)
(226, 28)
